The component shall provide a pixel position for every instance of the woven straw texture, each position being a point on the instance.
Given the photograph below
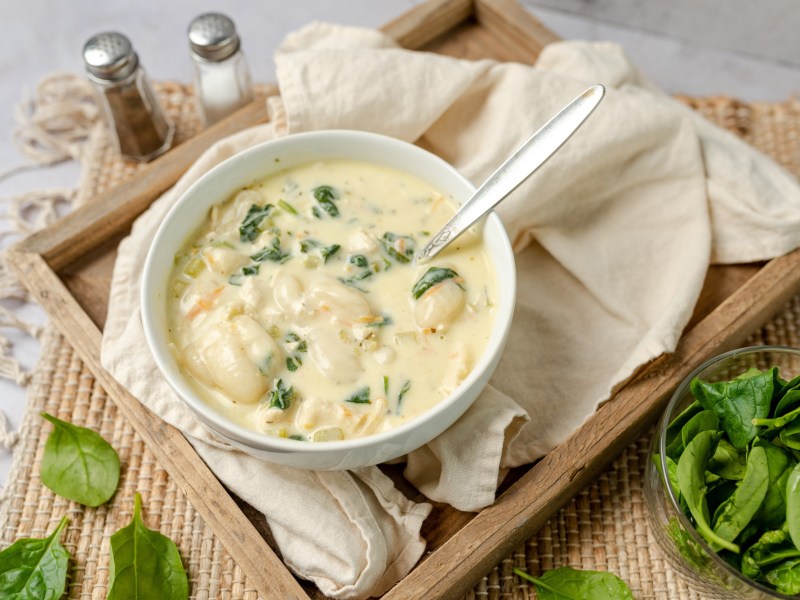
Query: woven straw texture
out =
(604, 527)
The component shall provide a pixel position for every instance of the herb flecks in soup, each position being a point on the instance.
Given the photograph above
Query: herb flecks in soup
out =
(296, 309)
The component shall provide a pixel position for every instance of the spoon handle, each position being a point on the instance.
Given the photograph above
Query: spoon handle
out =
(531, 155)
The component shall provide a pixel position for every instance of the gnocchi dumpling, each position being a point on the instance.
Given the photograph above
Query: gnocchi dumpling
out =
(438, 306)
(335, 358)
(239, 356)
(339, 303)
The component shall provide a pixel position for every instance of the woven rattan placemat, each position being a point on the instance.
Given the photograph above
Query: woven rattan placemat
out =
(603, 527)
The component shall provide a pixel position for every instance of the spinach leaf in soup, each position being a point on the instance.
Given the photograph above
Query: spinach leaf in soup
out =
(145, 565)
(403, 391)
(35, 569)
(398, 247)
(246, 271)
(280, 396)
(273, 252)
(325, 196)
(737, 402)
(360, 397)
(433, 276)
(250, 228)
(566, 583)
(78, 464)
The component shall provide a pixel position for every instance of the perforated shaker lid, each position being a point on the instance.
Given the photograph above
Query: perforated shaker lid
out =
(213, 37)
(109, 56)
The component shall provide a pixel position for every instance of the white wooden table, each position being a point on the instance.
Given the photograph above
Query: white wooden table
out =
(698, 47)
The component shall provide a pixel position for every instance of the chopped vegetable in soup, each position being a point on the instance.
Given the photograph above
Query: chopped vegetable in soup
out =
(297, 310)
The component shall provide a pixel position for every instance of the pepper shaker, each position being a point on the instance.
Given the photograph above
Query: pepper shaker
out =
(140, 128)
(222, 78)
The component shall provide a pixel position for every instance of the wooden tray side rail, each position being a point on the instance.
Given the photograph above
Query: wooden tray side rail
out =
(466, 547)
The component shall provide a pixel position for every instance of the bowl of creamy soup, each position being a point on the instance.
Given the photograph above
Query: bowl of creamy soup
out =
(282, 302)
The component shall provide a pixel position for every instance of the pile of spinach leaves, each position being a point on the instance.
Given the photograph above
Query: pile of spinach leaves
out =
(733, 462)
(78, 464)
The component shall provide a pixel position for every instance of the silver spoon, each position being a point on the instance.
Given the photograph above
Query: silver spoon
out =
(531, 155)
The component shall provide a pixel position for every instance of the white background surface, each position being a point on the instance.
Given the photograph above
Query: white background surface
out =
(698, 47)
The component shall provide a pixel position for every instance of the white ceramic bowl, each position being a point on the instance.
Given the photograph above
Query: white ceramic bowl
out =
(254, 164)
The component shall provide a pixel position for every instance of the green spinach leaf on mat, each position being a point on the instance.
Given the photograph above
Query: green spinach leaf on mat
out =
(144, 564)
(78, 464)
(35, 569)
(566, 583)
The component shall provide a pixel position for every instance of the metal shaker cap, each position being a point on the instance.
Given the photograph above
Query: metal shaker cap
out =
(109, 56)
(213, 37)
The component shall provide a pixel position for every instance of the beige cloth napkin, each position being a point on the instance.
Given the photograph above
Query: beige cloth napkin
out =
(613, 239)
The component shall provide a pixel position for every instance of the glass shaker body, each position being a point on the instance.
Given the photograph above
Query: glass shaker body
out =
(222, 77)
(138, 124)
(222, 87)
(139, 127)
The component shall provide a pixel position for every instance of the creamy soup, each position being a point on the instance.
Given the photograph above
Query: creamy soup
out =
(297, 309)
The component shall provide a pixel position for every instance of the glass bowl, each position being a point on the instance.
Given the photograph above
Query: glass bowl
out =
(703, 570)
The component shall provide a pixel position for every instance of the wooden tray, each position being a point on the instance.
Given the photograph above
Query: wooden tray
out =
(68, 269)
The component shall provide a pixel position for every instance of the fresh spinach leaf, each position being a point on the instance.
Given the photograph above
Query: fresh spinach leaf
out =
(772, 513)
(772, 548)
(35, 569)
(431, 277)
(728, 462)
(703, 421)
(325, 196)
(399, 247)
(573, 584)
(674, 439)
(144, 564)
(78, 464)
(790, 435)
(785, 578)
(793, 505)
(738, 510)
(360, 397)
(251, 225)
(280, 396)
(737, 403)
(691, 480)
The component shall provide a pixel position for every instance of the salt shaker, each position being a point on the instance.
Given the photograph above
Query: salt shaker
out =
(140, 128)
(222, 78)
